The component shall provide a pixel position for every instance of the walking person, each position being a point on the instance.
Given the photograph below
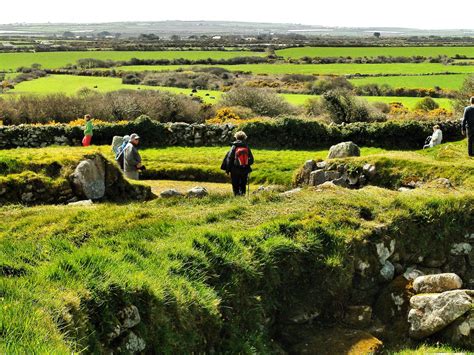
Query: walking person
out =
(132, 161)
(435, 139)
(86, 141)
(237, 163)
(468, 127)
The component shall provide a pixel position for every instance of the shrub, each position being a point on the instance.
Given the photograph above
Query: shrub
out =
(330, 83)
(262, 102)
(462, 99)
(343, 107)
(313, 107)
(426, 104)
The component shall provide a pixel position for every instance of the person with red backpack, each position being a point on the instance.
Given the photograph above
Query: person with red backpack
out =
(237, 163)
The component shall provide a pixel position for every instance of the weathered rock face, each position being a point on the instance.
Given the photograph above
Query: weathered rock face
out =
(170, 193)
(461, 332)
(437, 283)
(431, 313)
(88, 178)
(344, 150)
(197, 192)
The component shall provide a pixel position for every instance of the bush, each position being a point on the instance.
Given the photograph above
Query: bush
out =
(462, 99)
(113, 106)
(426, 104)
(330, 83)
(262, 102)
(343, 107)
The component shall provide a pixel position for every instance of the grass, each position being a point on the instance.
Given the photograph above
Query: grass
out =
(410, 102)
(220, 270)
(51, 60)
(374, 51)
(320, 69)
(450, 82)
(70, 84)
(206, 275)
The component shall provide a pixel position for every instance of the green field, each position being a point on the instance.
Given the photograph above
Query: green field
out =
(450, 82)
(319, 69)
(70, 84)
(410, 102)
(374, 51)
(11, 61)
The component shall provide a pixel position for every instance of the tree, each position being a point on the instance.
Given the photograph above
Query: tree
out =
(68, 34)
(377, 34)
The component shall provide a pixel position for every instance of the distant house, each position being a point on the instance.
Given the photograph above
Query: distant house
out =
(250, 39)
(217, 37)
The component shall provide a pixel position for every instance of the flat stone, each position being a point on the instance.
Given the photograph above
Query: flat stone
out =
(437, 283)
(317, 177)
(81, 203)
(197, 192)
(170, 193)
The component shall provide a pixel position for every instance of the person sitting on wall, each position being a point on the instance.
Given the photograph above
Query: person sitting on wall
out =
(435, 139)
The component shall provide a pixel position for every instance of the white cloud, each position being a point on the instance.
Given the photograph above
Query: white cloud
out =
(363, 13)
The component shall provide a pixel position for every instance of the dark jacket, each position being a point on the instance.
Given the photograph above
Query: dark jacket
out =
(468, 118)
(228, 163)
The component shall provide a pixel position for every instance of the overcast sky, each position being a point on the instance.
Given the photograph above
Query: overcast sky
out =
(454, 14)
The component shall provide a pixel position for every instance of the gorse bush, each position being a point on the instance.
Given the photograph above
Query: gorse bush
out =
(262, 102)
(343, 107)
(113, 106)
(426, 104)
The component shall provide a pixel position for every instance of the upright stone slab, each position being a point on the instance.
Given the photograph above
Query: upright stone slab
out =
(344, 150)
(89, 178)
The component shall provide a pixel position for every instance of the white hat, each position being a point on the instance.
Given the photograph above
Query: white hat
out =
(134, 136)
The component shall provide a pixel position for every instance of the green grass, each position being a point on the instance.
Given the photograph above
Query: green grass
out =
(50, 60)
(205, 274)
(320, 69)
(410, 102)
(70, 84)
(374, 51)
(450, 82)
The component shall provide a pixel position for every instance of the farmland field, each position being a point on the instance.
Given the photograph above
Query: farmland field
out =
(11, 61)
(451, 82)
(322, 69)
(374, 51)
(70, 84)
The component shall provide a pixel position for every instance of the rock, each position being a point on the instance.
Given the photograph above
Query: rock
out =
(369, 170)
(442, 182)
(384, 252)
(27, 197)
(81, 203)
(170, 193)
(129, 317)
(358, 316)
(387, 271)
(317, 177)
(89, 178)
(460, 332)
(437, 283)
(342, 181)
(431, 313)
(327, 185)
(291, 192)
(461, 249)
(343, 150)
(131, 344)
(321, 165)
(412, 273)
(198, 192)
(404, 189)
(332, 175)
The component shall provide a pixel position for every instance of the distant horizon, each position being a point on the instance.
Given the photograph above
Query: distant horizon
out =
(315, 26)
(421, 14)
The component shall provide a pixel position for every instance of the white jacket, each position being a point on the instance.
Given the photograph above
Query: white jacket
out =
(436, 138)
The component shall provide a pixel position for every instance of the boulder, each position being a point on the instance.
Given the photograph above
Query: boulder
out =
(437, 283)
(170, 193)
(431, 313)
(131, 344)
(460, 332)
(369, 170)
(461, 249)
(88, 178)
(81, 203)
(387, 272)
(129, 317)
(343, 150)
(317, 177)
(197, 192)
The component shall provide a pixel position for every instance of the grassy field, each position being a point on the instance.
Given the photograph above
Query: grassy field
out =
(205, 274)
(70, 84)
(410, 102)
(11, 61)
(321, 69)
(450, 82)
(374, 51)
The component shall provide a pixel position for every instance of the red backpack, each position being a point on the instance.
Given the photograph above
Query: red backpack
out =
(241, 157)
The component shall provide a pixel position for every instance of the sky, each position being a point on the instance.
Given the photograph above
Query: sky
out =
(422, 14)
